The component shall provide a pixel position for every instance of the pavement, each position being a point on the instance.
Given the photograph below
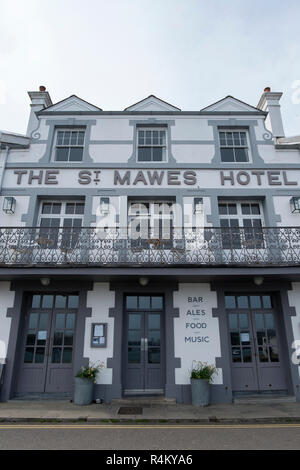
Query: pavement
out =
(151, 412)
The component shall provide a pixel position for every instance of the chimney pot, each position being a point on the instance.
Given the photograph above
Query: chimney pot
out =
(42, 88)
(267, 89)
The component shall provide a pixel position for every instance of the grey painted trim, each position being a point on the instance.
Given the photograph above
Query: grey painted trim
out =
(234, 123)
(16, 313)
(152, 113)
(132, 161)
(111, 142)
(72, 122)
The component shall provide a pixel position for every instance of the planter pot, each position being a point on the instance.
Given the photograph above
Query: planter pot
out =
(200, 392)
(84, 389)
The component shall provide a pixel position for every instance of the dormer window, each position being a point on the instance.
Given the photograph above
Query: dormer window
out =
(234, 146)
(151, 145)
(69, 145)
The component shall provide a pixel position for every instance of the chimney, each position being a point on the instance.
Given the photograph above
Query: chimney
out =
(39, 100)
(269, 102)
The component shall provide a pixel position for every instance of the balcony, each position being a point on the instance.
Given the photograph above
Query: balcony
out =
(115, 247)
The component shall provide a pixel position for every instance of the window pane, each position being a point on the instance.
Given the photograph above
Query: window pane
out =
(154, 321)
(141, 138)
(60, 301)
(47, 301)
(131, 302)
(144, 154)
(245, 209)
(267, 301)
(144, 302)
(229, 138)
(73, 301)
(43, 325)
(30, 340)
(39, 355)
(233, 321)
(255, 301)
(232, 209)
(76, 154)
(236, 355)
(229, 301)
(227, 155)
(241, 155)
(154, 356)
(58, 338)
(80, 139)
(222, 138)
(28, 357)
(243, 318)
(59, 137)
(73, 138)
(33, 320)
(79, 209)
(236, 138)
(247, 356)
(243, 138)
(46, 208)
(62, 154)
(66, 138)
(235, 338)
(56, 208)
(134, 321)
(67, 356)
(68, 339)
(156, 303)
(157, 153)
(255, 209)
(56, 355)
(134, 355)
(242, 301)
(70, 208)
(60, 321)
(148, 138)
(134, 338)
(70, 323)
(222, 209)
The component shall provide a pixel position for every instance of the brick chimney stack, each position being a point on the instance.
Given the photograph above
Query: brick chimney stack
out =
(269, 102)
(39, 100)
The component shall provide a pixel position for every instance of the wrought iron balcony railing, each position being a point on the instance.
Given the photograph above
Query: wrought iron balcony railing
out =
(91, 246)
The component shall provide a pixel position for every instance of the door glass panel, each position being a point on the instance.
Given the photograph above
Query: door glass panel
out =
(33, 320)
(36, 301)
(242, 301)
(70, 323)
(67, 356)
(255, 301)
(156, 303)
(247, 355)
(73, 301)
(58, 338)
(134, 337)
(41, 337)
(30, 338)
(131, 302)
(269, 320)
(134, 321)
(267, 303)
(68, 338)
(154, 356)
(47, 301)
(56, 355)
(263, 354)
(39, 355)
(236, 355)
(243, 318)
(235, 338)
(144, 302)
(259, 321)
(154, 338)
(29, 353)
(43, 325)
(60, 321)
(233, 321)
(134, 355)
(60, 301)
(153, 321)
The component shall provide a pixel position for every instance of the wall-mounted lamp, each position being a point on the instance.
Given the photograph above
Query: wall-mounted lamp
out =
(198, 205)
(295, 204)
(143, 281)
(258, 280)
(104, 205)
(9, 205)
(45, 281)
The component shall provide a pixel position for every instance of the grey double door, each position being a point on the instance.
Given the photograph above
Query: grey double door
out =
(256, 352)
(144, 347)
(46, 363)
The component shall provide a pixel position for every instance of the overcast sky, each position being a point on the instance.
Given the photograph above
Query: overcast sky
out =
(113, 53)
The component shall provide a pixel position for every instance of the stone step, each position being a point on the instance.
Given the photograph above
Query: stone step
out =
(143, 401)
(41, 396)
(264, 399)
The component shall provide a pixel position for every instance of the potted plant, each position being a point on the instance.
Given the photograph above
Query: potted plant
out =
(84, 384)
(201, 376)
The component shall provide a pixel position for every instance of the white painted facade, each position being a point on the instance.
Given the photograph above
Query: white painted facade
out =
(193, 169)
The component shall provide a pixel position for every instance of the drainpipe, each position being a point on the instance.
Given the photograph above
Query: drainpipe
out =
(4, 167)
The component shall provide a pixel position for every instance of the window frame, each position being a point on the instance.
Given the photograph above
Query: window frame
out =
(247, 147)
(164, 147)
(69, 146)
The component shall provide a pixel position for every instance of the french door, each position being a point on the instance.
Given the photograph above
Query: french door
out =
(48, 344)
(144, 345)
(256, 354)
